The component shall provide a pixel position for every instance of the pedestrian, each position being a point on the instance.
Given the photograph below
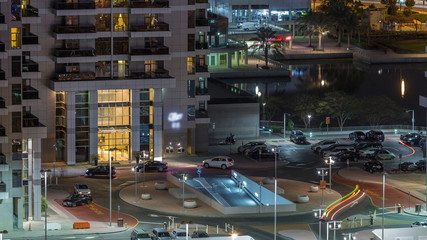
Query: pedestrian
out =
(257, 65)
(314, 48)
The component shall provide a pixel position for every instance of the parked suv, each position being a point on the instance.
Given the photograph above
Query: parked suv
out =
(161, 234)
(297, 136)
(100, 170)
(249, 145)
(373, 166)
(375, 135)
(139, 234)
(412, 139)
(357, 136)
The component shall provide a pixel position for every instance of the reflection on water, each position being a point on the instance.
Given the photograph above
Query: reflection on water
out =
(403, 83)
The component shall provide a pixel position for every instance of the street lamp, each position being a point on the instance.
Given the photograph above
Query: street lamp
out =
(183, 180)
(334, 225)
(109, 174)
(284, 125)
(136, 183)
(349, 236)
(318, 213)
(413, 119)
(276, 152)
(323, 172)
(44, 172)
(330, 162)
(382, 218)
(309, 118)
(263, 111)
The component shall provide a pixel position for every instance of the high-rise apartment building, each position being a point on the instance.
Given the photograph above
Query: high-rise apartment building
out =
(96, 79)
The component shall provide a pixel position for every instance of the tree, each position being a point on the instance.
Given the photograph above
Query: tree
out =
(382, 111)
(305, 105)
(320, 24)
(306, 25)
(410, 4)
(336, 11)
(273, 105)
(264, 43)
(391, 6)
(339, 105)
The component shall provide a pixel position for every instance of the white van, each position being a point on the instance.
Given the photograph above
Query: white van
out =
(250, 26)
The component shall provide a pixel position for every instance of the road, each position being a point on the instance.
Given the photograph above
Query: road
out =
(302, 166)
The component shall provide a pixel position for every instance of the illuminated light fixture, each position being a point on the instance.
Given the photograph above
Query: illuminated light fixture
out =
(402, 88)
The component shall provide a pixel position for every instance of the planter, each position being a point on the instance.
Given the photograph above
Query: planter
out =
(145, 196)
(269, 180)
(190, 204)
(303, 199)
(160, 185)
(314, 188)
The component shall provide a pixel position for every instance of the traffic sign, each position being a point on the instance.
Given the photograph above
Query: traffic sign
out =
(199, 167)
(322, 184)
(199, 171)
(328, 120)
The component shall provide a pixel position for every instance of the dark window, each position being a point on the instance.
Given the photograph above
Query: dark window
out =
(16, 178)
(16, 122)
(16, 66)
(191, 112)
(16, 94)
(191, 42)
(191, 19)
(190, 88)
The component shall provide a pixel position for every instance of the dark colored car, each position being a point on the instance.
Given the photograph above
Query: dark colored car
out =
(373, 166)
(77, 200)
(357, 136)
(407, 166)
(421, 165)
(100, 170)
(199, 234)
(152, 166)
(412, 139)
(364, 145)
(422, 143)
(249, 145)
(375, 136)
(265, 152)
(333, 146)
(345, 155)
(297, 136)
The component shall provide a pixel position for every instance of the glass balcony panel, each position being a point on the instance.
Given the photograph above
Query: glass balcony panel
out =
(201, 68)
(74, 53)
(74, 29)
(29, 92)
(146, 27)
(30, 66)
(74, 6)
(76, 76)
(2, 75)
(30, 11)
(201, 45)
(150, 51)
(2, 19)
(202, 22)
(201, 91)
(30, 38)
(2, 47)
(150, 4)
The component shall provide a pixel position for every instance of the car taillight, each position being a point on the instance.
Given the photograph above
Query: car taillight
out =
(231, 163)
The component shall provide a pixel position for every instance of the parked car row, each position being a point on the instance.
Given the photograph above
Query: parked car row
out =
(413, 139)
(298, 137)
(256, 149)
(151, 166)
(163, 234)
(412, 166)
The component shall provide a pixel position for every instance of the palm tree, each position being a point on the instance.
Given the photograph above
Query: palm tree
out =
(306, 25)
(264, 43)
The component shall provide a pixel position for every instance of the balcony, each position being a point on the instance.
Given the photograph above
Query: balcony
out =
(74, 32)
(29, 92)
(202, 116)
(154, 7)
(3, 53)
(3, 109)
(75, 76)
(146, 30)
(146, 54)
(201, 91)
(201, 45)
(3, 25)
(30, 69)
(29, 121)
(3, 81)
(159, 78)
(202, 1)
(202, 68)
(30, 42)
(30, 15)
(74, 55)
(3, 193)
(74, 5)
(202, 22)
(3, 139)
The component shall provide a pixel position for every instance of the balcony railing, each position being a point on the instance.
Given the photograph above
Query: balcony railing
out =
(29, 92)
(2, 134)
(2, 75)
(30, 11)
(150, 51)
(202, 1)
(2, 19)
(201, 91)
(2, 103)
(159, 73)
(74, 6)
(201, 45)
(202, 22)
(202, 68)
(74, 53)
(191, 2)
(2, 186)
(150, 4)
(30, 38)
(74, 29)
(30, 66)
(146, 27)
(2, 47)
(29, 120)
(75, 76)
(202, 113)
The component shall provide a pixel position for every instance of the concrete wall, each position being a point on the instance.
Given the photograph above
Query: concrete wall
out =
(241, 119)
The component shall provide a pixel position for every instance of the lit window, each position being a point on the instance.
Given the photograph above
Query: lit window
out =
(15, 38)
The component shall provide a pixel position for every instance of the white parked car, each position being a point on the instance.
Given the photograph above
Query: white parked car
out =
(338, 149)
(317, 147)
(368, 152)
(178, 233)
(81, 189)
(223, 162)
(384, 155)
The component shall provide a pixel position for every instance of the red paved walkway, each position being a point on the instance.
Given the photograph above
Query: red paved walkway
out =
(95, 213)
(374, 190)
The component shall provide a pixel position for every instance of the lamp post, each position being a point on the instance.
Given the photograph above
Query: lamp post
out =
(413, 119)
(323, 172)
(44, 172)
(276, 152)
(334, 225)
(318, 214)
(109, 175)
(136, 184)
(263, 111)
(330, 162)
(309, 119)
(183, 180)
(349, 236)
(383, 203)
(284, 125)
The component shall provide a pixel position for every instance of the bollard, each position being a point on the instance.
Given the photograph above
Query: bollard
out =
(207, 228)
(217, 229)
(197, 227)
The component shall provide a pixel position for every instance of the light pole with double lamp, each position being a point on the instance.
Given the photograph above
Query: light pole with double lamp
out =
(309, 120)
(318, 214)
(323, 172)
(330, 162)
(333, 225)
(183, 180)
(276, 152)
(44, 172)
(413, 119)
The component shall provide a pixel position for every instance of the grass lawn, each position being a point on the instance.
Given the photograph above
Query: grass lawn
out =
(416, 45)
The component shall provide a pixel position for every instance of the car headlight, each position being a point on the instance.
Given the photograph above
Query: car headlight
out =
(80, 192)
